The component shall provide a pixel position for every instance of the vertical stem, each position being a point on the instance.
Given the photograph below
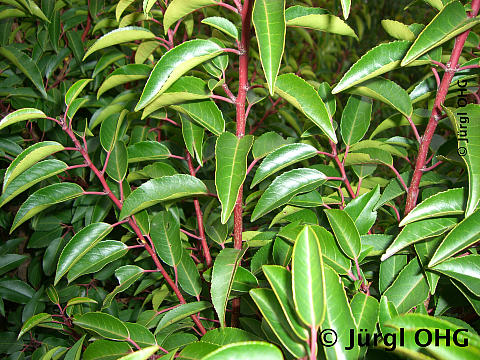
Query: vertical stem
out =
(313, 343)
(436, 113)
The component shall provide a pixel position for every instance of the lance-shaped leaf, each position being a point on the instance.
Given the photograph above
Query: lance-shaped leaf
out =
(281, 158)
(332, 254)
(365, 313)
(303, 96)
(466, 122)
(188, 276)
(308, 282)
(123, 75)
(161, 189)
(44, 198)
(280, 280)
(346, 4)
(187, 88)
(409, 288)
(243, 281)
(285, 187)
(126, 276)
(388, 92)
(447, 24)
(274, 316)
(26, 65)
(110, 129)
(28, 157)
(465, 269)
(32, 176)
(178, 9)
(117, 163)
(166, 237)
(143, 354)
(338, 317)
(119, 36)
(223, 273)
(246, 350)
(398, 30)
(147, 150)
(361, 210)
(425, 250)
(181, 312)
(345, 231)
(106, 60)
(355, 119)
(75, 90)
(317, 19)
(269, 22)
(231, 169)
(223, 25)
(103, 324)
(76, 350)
(34, 321)
(461, 237)
(193, 137)
(106, 349)
(445, 203)
(418, 231)
(174, 64)
(79, 245)
(96, 258)
(21, 115)
(9, 262)
(205, 113)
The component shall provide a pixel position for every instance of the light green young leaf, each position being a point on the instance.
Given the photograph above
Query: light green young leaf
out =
(21, 115)
(193, 137)
(361, 210)
(222, 24)
(34, 321)
(126, 276)
(179, 8)
(75, 90)
(398, 30)
(269, 22)
(144, 354)
(231, 169)
(181, 312)
(122, 75)
(346, 7)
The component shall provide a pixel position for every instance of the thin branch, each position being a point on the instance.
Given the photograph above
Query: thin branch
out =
(229, 7)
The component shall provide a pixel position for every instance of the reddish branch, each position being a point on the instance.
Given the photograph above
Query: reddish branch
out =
(436, 113)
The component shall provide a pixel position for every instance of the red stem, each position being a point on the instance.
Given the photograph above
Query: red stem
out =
(436, 113)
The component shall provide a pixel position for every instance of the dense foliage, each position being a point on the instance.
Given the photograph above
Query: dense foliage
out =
(266, 179)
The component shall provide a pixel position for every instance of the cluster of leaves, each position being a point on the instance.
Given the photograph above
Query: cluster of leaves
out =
(150, 212)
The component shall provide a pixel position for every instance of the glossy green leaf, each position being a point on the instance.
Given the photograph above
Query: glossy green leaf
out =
(32, 176)
(243, 280)
(26, 65)
(303, 96)
(444, 203)
(338, 317)
(177, 9)
(140, 334)
(80, 300)
(273, 314)
(147, 150)
(247, 350)
(21, 115)
(409, 288)
(118, 162)
(361, 210)
(166, 238)
(418, 231)
(425, 250)
(465, 269)
(79, 245)
(143, 354)
(97, 257)
(126, 276)
(106, 60)
(448, 23)
(222, 24)
(74, 107)
(345, 232)
(281, 158)
(224, 269)
(389, 270)
(308, 278)
(44, 198)
(231, 169)
(109, 130)
(346, 7)
(181, 312)
(398, 30)
(119, 36)
(16, 291)
(388, 92)
(9, 262)
(34, 321)
(174, 64)
(121, 7)
(269, 22)
(75, 351)
(285, 187)
(205, 113)
(332, 254)
(30, 156)
(188, 276)
(471, 158)
(123, 75)
(193, 137)
(310, 18)
(280, 280)
(106, 350)
(461, 237)
(355, 119)
(75, 90)
(103, 324)
(365, 313)
(161, 189)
